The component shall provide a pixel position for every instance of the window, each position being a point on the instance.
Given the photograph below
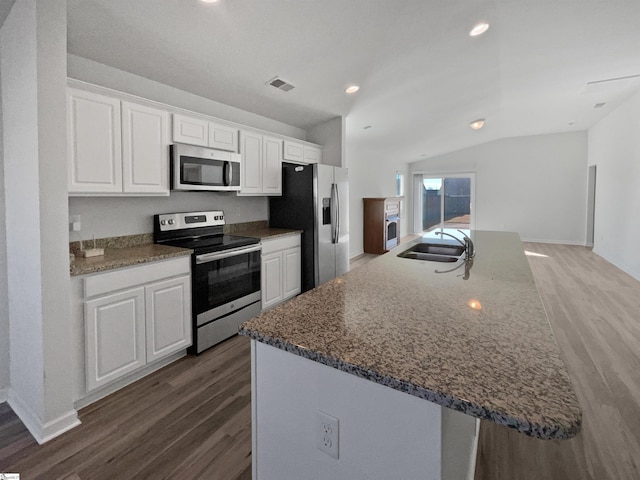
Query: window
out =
(399, 184)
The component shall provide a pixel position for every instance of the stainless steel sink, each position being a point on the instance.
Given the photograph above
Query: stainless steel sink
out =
(434, 252)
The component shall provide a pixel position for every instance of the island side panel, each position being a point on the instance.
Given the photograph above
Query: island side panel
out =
(383, 433)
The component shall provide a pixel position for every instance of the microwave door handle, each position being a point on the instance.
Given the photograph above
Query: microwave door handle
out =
(228, 173)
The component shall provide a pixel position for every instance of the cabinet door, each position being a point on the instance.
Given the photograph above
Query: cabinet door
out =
(145, 149)
(94, 143)
(272, 166)
(223, 137)
(193, 131)
(293, 151)
(292, 273)
(114, 336)
(271, 279)
(251, 152)
(312, 154)
(168, 312)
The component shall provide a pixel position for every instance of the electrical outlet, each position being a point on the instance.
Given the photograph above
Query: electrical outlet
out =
(75, 223)
(327, 434)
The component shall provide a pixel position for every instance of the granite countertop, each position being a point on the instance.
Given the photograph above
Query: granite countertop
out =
(266, 233)
(124, 257)
(397, 322)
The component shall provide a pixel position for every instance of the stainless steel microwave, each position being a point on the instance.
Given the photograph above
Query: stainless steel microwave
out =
(199, 168)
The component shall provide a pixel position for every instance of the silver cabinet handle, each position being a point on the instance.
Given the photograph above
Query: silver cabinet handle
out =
(211, 257)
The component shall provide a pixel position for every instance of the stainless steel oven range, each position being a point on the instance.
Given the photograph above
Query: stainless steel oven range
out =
(225, 273)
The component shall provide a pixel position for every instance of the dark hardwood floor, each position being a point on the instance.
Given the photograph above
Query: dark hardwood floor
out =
(191, 420)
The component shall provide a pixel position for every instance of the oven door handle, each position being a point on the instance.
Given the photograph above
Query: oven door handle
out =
(212, 257)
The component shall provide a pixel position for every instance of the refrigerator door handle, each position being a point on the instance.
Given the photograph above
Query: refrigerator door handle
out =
(337, 214)
(333, 210)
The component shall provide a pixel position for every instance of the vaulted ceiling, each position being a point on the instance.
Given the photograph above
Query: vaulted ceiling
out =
(540, 68)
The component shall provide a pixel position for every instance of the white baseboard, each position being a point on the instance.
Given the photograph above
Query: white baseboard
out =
(626, 270)
(42, 432)
(3, 394)
(356, 255)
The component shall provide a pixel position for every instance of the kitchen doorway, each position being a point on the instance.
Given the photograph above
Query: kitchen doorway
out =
(444, 201)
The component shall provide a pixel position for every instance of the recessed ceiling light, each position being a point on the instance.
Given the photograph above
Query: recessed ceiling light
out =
(479, 29)
(352, 89)
(209, 1)
(477, 124)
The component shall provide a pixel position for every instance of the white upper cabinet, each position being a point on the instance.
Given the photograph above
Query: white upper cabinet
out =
(272, 166)
(298, 152)
(94, 142)
(261, 164)
(312, 154)
(222, 137)
(251, 152)
(145, 151)
(293, 151)
(116, 147)
(193, 131)
(197, 131)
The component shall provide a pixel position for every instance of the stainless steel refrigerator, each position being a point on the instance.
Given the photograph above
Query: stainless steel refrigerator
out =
(315, 199)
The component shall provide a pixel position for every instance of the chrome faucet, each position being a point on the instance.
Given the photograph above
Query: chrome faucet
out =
(469, 249)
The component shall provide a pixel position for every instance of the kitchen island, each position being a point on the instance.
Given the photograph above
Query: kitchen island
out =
(369, 347)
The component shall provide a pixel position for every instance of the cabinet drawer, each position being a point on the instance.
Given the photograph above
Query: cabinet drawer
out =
(129, 277)
(280, 243)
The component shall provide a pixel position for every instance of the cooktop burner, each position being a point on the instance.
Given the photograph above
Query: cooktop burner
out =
(213, 243)
(200, 231)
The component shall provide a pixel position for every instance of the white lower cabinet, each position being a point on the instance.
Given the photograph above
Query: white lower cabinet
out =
(167, 305)
(281, 272)
(115, 336)
(135, 316)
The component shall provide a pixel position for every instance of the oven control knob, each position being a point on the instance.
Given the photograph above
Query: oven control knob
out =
(163, 222)
(171, 222)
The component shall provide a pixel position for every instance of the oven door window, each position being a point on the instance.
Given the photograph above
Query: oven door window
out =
(225, 280)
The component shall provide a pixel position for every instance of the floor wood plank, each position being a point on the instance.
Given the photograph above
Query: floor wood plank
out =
(191, 420)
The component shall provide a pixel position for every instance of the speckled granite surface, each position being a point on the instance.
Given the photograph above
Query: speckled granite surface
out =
(397, 322)
(114, 242)
(267, 232)
(240, 228)
(124, 257)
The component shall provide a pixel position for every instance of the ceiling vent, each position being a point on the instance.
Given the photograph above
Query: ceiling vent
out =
(280, 84)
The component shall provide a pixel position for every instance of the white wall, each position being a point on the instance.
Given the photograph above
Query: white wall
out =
(535, 186)
(110, 217)
(330, 135)
(33, 68)
(4, 295)
(371, 176)
(614, 147)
